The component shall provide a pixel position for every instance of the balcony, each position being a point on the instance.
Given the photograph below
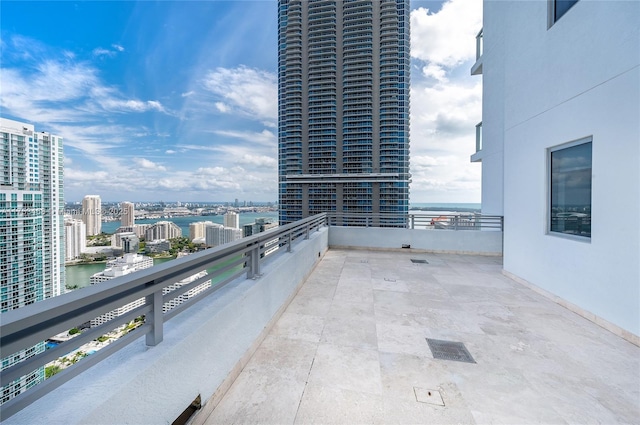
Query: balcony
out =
(331, 327)
(476, 69)
(477, 157)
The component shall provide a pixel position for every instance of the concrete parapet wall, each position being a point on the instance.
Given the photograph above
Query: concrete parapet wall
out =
(203, 350)
(445, 241)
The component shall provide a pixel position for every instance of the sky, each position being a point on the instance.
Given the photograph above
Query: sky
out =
(177, 100)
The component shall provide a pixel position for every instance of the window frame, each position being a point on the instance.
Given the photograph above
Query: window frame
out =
(549, 182)
(551, 12)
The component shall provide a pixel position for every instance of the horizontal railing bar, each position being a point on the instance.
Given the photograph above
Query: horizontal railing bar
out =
(28, 325)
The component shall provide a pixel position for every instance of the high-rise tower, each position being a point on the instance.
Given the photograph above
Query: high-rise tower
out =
(127, 217)
(343, 107)
(92, 214)
(31, 228)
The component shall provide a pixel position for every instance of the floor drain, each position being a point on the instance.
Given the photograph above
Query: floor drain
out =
(428, 396)
(389, 280)
(364, 261)
(419, 261)
(449, 350)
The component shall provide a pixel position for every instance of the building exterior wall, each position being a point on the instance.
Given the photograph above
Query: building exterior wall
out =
(75, 238)
(127, 210)
(32, 249)
(216, 234)
(231, 219)
(92, 214)
(546, 86)
(343, 107)
(162, 230)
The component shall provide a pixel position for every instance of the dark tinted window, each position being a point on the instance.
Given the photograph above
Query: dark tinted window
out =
(560, 7)
(571, 190)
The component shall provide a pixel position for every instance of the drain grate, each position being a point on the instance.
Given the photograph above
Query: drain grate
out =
(389, 279)
(449, 350)
(419, 261)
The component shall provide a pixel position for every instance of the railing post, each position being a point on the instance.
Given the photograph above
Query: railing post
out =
(289, 242)
(412, 218)
(306, 233)
(154, 318)
(254, 262)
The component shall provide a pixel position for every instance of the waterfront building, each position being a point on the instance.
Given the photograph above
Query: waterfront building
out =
(343, 107)
(92, 214)
(75, 238)
(130, 263)
(32, 248)
(559, 149)
(176, 301)
(157, 246)
(232, 219)
(127, 210)
(197, 230)
(217, 234)
(121, 266)
(162, 230)
(127, 241)
(138, 229)
(260, 225)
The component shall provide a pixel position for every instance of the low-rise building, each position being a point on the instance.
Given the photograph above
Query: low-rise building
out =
(156, 247)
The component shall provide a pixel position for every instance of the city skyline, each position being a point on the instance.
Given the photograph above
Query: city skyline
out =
(189, 112)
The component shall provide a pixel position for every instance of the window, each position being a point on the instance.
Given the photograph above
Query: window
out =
(570, 188)
(557, 8)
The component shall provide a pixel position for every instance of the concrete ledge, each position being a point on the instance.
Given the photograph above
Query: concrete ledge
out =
(439, 241)
(613, 328)
(204, 349)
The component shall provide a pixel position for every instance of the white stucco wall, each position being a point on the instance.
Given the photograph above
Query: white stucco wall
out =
(445, 241)
(579, 78)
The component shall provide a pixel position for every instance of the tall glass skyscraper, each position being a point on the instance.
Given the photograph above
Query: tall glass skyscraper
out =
(31, 230)
(343, 107)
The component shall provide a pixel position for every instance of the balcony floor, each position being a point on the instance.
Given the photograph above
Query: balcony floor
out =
(351, 348)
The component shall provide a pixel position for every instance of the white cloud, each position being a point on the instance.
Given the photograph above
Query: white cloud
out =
(102, 52)
(448, 36)
(187, 94)
(99, 51)
(265, 137)
(149, 165)
(220, 106)
(252, 92)
(170, 152)
(131, 105)
(446, 103)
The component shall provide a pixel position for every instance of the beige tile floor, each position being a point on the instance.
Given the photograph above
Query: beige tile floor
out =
(351, 348)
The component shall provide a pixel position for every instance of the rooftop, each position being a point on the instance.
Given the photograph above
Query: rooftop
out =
(351, 348)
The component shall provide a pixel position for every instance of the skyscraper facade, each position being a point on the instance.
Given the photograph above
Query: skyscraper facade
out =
(232, 219)
(127, 217)
(343, 107)
(92, 214)
(31, 228)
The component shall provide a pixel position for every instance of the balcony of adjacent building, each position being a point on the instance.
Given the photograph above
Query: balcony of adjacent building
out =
(476, 69)
(337, 324)
(477, 157)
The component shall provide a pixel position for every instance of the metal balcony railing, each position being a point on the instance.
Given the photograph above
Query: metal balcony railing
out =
(27, 326)
(479, 44)
(458, 221)
(479, 136)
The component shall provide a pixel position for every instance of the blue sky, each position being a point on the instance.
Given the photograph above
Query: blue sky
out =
(177, 101)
